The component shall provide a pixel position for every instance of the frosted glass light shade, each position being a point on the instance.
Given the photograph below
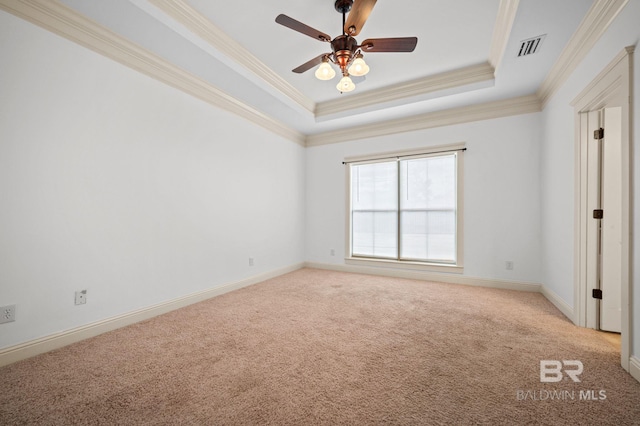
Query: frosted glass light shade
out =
(325, 72)
(359, 67)
(345, 85)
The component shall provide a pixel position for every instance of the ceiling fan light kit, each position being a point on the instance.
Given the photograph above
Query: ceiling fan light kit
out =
(346, 52)
(345, 84)
(324, 71)
(359, 67)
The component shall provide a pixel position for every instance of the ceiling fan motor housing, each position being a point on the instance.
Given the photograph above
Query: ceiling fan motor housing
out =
(343, 6)
(344, 47)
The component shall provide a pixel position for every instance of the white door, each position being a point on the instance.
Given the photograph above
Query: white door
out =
(611, 223)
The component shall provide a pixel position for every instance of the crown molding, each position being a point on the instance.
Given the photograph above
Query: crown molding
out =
(502, 30)
(198, 24)
(411, 89)
(421, 88)
(465, 114)
(592, 27)
(54, 16)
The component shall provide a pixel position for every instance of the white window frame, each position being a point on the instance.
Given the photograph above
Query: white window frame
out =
(406, 264)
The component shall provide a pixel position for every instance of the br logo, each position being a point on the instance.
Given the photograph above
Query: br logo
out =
(551, 370)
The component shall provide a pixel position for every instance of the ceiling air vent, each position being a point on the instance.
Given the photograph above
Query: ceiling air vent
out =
(530, 46)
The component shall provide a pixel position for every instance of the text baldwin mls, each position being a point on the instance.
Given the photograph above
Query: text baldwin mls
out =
(561, 395)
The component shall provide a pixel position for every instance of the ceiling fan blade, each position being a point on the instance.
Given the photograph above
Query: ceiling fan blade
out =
(398, 44)
(302, 28)
(310, 64)
(358, 16)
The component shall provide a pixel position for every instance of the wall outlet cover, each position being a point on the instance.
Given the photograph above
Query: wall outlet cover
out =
(7, 314)
(81, 297)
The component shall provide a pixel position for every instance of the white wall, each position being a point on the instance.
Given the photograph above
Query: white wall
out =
(557, 202)
(115, 183)
(501, 194)
(557, 159)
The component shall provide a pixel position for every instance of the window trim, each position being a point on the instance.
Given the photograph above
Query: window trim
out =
(458, 267)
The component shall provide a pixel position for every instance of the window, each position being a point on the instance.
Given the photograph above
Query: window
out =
(406, 209)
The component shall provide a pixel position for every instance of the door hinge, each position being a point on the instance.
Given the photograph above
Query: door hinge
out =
(598, 214)
(596, 293)
(598, 134)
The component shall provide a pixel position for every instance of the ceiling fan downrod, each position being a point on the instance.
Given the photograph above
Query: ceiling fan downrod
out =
(343, 6)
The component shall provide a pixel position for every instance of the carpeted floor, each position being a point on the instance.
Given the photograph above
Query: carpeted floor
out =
(319, 347)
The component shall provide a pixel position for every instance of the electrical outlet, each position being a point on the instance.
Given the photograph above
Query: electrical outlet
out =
(333, 252)
(81, 297)
(509, 265)
(7, 314)
(251, 261)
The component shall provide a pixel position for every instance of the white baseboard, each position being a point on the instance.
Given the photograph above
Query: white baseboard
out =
(452, 279)
(558, 302)
(428, 276)
(634, 367)
(58, 340)
(54, 341)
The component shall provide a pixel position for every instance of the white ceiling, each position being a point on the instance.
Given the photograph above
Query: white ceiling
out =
(283, 49)
(238, 47)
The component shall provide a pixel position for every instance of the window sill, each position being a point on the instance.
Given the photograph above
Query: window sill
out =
(395, 264)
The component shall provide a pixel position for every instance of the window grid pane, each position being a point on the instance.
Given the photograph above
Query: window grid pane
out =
(429, 235)
(375, 234)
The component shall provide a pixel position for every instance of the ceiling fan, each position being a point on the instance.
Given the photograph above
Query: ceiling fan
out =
(346, 52)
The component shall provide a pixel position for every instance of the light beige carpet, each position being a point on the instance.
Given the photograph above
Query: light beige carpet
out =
(318, 347)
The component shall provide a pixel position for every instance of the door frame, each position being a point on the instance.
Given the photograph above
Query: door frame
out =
(611, 88)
